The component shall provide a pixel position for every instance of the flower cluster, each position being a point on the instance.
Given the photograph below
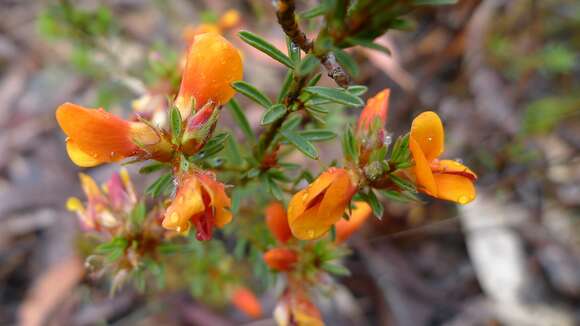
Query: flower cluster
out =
(309, 222)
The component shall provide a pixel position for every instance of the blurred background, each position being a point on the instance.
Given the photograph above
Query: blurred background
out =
(503, 75)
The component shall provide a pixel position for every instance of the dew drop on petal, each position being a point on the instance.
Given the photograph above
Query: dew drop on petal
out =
(458, 161)
(463, 199)
(310, 234)
(388, 140)
(429, 138)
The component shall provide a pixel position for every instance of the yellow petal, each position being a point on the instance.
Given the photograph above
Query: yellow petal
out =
(314, 210)
(303, 199)
(74, 204)
(427, 131)
(452, 167)
(422, 169)
(80, 158)
(90, 187)
(454, 188)
(187, 204)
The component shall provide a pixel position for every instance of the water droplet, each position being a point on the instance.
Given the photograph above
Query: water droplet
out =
(429, 138)
(310, 234)
(458, 161)
(463, 199)
(388, 140)
(112, 154)
(305, 196)
(178, 229)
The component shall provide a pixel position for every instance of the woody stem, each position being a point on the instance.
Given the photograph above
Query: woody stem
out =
(287, 19)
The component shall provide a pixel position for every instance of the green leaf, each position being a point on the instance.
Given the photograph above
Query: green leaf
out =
(335, 95)
(368, 44)
(285, 86)
(292, 122)
(212, 147)
(317, 135)
(269, 49)
(347, 61)
(150, 168)
(176, 124)
(113, 249)
(272, 187)
(375, 203)
(160, 185)
(252, 93)
(293, 50)
(241, 119)
(314, 80)
(398, 196)
(307, 65)
(274, 113)
(349, 145)
(357, 90)
(402, 183)
(314, 11)
(301, 144)
(336, 269)
(138, 213)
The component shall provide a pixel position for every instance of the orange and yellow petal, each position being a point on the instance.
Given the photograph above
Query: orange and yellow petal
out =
(281, 259)
(377, 108)
(96, 133)
(219, 200)
(314, 210)
(345, 228)
(277, 222)
(305, 197)
(246, 301)
(212, 64)
(188, 203)
(427, 131)
(455, 188)
(452, 167)
(80, 158)
(422, 169)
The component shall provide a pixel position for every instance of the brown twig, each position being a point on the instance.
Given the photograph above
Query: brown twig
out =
(287, 20)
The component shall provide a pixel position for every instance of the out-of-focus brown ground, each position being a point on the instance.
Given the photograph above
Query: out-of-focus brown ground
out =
(511, 257)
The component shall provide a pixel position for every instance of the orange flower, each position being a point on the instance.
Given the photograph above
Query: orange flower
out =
(444, 179)
(344, 228)
(97, 136)
(200, 200)
(313, 210)
(376, 109)
(277, 222)
(246, 301)
(212, 65)
(281, 259)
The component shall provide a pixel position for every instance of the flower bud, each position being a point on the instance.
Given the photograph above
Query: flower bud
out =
(212, 65)
(281, 259)
(246, 301)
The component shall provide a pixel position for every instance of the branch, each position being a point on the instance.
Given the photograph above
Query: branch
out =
(287, 20)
